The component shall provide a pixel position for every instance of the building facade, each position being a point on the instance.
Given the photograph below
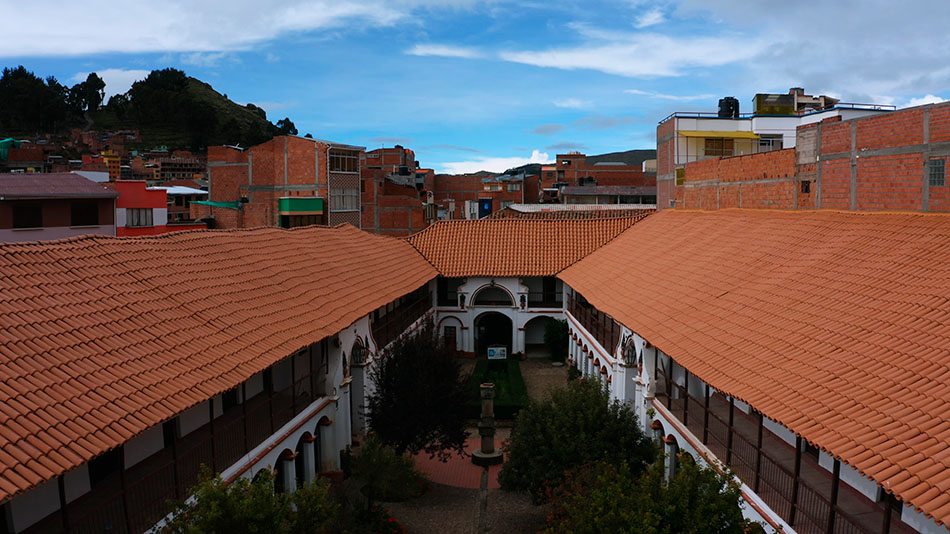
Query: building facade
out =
(35, 207)
(288, 181)
(682, 138)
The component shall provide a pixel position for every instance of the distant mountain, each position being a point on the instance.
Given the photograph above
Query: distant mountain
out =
(630, 157)
(172, 109)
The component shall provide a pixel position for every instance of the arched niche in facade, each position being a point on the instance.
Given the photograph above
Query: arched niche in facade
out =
(493, 295)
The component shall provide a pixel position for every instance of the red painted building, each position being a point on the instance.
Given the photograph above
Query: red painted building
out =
(143, 211)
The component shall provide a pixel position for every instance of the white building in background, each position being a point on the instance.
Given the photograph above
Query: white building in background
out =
(498, 284)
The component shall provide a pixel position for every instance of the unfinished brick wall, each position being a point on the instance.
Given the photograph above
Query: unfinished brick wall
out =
(889, 183)
(764, 180)
(836, 184)
(891, 130)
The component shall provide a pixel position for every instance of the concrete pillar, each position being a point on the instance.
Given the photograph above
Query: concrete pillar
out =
(288, 473)
(309, 460)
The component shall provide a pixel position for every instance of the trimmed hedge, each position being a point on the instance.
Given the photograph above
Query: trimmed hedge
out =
(511, 394)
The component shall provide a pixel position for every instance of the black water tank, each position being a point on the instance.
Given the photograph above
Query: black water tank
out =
(729, 107)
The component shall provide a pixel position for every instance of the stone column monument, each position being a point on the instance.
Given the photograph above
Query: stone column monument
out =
(487, 455)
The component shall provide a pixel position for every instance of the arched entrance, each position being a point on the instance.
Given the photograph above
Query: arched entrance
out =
(492, 328)
(534, 346)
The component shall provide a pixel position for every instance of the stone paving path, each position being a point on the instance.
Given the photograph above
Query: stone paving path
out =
(461, 500)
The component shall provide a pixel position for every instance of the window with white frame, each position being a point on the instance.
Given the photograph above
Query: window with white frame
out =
(514, 187)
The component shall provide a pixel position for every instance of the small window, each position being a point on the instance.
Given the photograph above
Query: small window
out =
(84, 213)
(139, 217)
(179, 200)
(514, 187)
(937, 176)
(345, 199)
(27, 215)
(806, 186)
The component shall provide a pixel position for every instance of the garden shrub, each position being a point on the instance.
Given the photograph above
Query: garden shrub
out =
(384, 474)
(604, 498)
(576, 426)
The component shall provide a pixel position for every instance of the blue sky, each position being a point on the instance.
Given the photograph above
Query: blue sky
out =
(490, 85)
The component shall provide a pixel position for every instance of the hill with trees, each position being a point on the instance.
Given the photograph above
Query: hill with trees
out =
(167, 108)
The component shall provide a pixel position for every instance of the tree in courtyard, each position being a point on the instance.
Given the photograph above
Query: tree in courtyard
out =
(253, 506)
(419, 398)
(555, 337)
(604, 498)
(577, 426)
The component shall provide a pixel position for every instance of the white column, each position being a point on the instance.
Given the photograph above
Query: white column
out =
(288, 473)
(309, 467)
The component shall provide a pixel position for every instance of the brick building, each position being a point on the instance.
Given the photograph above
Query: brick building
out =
(683, 138)
(573, 169)
(893, 161)
(472, 196)
(288, 181)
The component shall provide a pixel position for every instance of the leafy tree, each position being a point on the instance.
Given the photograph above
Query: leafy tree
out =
(577, 426)
(286, 127)
(28, 104)
(94, 91)
(555, 337)
(257, 111)
(419, 400)
(253, 506)
(605, 498)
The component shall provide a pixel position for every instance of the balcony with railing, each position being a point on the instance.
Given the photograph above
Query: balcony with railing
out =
(600, 325)
(390, 322)
(545, 299)
(787, 477)
(133, 499)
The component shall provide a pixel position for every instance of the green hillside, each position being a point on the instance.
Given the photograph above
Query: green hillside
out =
(167, 107)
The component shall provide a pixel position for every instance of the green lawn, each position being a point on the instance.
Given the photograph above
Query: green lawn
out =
(511, 395)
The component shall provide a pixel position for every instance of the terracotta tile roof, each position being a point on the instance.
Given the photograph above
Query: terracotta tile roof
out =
(102, 338)
(513, 247)
(834, 324)
(51, 185)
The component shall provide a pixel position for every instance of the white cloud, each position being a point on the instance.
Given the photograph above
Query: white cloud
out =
(117, 80)
(654, 16)
(927, 99)
(203, 59)
(493, 164)
(664, 96)
(640, 54)
(573, 103)
(209, 26)
(444, 51)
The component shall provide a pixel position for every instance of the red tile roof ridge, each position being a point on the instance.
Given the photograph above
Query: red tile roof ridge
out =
(514, 246)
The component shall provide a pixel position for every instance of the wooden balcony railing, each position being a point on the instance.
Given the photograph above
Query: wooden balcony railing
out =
(790, 481)
(396, 321)
(602, 326)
